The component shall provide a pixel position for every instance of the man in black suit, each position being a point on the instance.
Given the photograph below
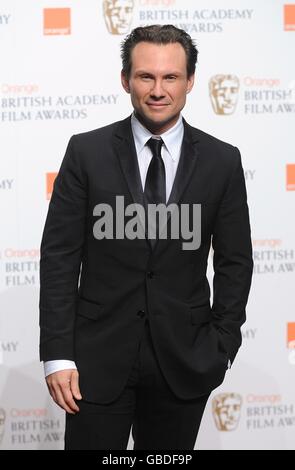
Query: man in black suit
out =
(128, 335)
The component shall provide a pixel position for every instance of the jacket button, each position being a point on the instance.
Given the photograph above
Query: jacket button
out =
(150, 274)
(141, 313)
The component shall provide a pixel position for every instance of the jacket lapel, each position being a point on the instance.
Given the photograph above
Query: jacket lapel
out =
(185, 168)
(186, 164)
(126, 153)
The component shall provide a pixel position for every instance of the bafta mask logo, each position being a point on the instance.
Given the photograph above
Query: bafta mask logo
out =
(2, 423)
(224, 93)
(118, 15)
(227, 411)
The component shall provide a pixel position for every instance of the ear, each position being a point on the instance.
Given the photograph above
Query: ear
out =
(190, 83)
(125, 82)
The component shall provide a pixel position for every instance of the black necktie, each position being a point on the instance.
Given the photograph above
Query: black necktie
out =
(155, 183)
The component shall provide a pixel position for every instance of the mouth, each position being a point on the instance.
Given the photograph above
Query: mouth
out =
(157, 105)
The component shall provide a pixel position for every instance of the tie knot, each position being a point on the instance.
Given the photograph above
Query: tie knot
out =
(155, 145)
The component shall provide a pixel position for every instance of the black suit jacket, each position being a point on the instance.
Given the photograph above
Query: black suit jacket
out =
(97, 320)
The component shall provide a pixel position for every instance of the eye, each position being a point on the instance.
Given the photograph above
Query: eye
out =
(170, 78)
(145, 77)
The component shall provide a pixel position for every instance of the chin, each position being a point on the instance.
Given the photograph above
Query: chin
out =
(159, 122)
(159, 117)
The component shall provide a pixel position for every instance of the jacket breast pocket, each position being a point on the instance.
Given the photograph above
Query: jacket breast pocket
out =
(90, 310)
(200, 314)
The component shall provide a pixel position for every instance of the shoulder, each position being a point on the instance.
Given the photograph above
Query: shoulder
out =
(95, 136)
(88, 148)
(215, 150)
(209, 140)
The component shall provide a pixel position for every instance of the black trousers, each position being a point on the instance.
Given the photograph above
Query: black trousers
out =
(159, 419)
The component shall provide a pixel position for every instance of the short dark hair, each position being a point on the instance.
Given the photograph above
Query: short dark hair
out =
(159, 34)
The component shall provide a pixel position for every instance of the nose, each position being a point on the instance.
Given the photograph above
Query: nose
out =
(227, 94)
(157, 89)
(122, 15)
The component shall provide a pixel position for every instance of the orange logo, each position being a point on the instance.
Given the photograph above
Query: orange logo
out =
(289, 17)
(57, 21)
(50, 177)
(291, 177)
(291, 335)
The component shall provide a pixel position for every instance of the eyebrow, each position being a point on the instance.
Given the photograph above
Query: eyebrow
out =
(137, 72)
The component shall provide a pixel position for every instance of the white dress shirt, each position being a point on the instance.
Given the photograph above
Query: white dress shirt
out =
(170, 152)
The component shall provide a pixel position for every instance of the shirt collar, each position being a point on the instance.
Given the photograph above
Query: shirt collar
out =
(171, 138)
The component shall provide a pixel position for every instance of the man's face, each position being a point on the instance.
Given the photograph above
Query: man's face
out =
(226, 95)
(119, 14)
(158, 84)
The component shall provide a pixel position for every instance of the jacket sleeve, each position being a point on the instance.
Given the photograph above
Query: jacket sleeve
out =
(232, 261)
(61, 254)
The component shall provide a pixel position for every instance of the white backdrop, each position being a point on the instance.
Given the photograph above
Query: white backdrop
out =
(60, 75)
